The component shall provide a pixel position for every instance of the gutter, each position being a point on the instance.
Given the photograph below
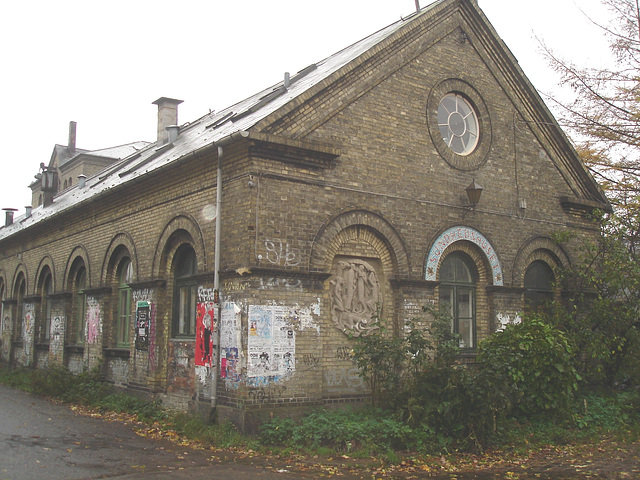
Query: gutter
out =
(216, 262)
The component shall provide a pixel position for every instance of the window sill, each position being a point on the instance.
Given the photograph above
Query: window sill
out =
(120, 352)
(74, 348)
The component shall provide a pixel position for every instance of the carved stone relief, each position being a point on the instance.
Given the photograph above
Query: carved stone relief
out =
(355, 296)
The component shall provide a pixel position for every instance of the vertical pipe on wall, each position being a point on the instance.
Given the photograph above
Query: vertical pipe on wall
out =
(216, 278)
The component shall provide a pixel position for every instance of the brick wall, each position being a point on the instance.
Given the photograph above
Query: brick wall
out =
(291, 228)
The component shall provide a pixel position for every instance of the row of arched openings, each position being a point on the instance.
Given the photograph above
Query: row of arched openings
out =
(120, 277)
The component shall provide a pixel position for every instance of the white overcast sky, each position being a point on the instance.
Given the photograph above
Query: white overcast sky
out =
(101, 64)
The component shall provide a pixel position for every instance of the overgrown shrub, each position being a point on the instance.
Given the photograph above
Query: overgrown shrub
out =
(532, 362)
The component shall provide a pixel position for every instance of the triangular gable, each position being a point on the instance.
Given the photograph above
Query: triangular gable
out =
(394, 46)
(327, 87)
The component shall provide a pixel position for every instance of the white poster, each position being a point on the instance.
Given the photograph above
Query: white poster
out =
(272, 341)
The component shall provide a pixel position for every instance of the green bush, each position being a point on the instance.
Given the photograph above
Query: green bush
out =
(532, 362)
(343, 430)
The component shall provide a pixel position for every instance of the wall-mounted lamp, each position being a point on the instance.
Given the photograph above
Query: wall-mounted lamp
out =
(474, 191)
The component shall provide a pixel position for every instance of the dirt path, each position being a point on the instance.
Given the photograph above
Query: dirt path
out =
(608, 460)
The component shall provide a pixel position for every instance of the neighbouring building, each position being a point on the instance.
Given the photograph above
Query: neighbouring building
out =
(225, 264)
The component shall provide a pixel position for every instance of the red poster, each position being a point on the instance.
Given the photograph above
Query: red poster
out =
(204, 334)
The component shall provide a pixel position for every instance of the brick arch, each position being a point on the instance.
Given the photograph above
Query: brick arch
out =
(472, 242)
(538, 248)
(483, 269)
(118, 243)
(20, 269)
(364, 226)
(180, 230)
(80, 252)
(46, 262)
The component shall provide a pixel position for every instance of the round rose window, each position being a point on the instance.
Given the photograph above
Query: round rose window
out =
(458, 124)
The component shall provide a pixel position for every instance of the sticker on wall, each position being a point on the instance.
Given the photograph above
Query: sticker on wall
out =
(142, 325)
(204, 333)
(272, 341)
(229, 364)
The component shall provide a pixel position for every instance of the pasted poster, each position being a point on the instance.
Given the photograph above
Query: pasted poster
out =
(142, 325)
(205, 319)
(94, 322)
(58, 328)
(28, 324)
(272, 342)
(229, 342)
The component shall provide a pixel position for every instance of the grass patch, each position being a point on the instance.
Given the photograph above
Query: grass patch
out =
(358, 433)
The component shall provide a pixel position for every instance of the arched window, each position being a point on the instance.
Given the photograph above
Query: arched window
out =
(2, 297)
(19, 293)
(46, 289)
(458, 296)
(65, 185)
(79, 303)
(538, 287)
(125, 277)
(185, 292)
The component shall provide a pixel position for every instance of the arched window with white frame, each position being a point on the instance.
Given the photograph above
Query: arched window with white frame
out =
(457, 296)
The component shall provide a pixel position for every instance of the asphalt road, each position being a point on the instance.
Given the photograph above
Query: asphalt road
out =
(43, 440)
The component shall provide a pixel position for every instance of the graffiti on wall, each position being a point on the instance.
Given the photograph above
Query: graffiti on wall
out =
(119, 371)
(355, 296)
(6, 338)
(56, 339)
(279, 253)
(271, 341)
(266, 394)
(288, 283)
(230, 342)
(343, 377)
(502, 320)
(94, 320)
(152, 338)
(28, 323)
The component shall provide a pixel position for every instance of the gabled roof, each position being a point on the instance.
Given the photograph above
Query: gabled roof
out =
(119, 151)
(248, 116)
(112, 153)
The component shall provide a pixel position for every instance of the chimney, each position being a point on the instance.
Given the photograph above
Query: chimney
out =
(49, 185)
(174, 131)
(167, 116)
(27, 211)
(71, 145)
(8, 219)
(82, 181)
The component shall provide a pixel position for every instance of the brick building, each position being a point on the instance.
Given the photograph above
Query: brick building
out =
(290, 218)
